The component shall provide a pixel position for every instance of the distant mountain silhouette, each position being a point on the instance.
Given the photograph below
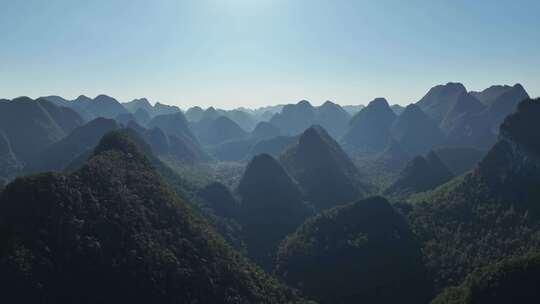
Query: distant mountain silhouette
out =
(353, 109)
(65, 118)
(246, 149)
(243, 119)
(415, 131)
(271, 208)
(420, 174)
(398, 109)
(58, 101)
(179, 134)
(273, 146)
(163, 109)
(143, 104)
(440, 99)
(464, 105)
(105, 106)
(79, 142)
(155, 138)
(265, 130)
(141, 117)
(89, 109)
(173, 124)
(323, 170)
(80, 105)
(362, 252)
(232, 150)
(31, 126)
(333, 118)
(295, 118)
(194, 114)
(497, 93)
(369, 129)
(472, 130)
(503, 104)
(218, 130)
(137, 104)
(116, 227)
(471, 119)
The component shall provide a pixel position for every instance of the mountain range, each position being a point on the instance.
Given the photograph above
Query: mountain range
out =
(106, 201)
(142, 235)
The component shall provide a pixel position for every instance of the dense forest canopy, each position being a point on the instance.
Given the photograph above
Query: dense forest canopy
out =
(104, 201)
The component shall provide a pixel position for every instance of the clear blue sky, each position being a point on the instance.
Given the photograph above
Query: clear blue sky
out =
(229, 53)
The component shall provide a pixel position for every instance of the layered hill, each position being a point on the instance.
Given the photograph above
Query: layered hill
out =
(471, 119)
(30, 126)
(271, 207)
(153, 110)
(502, 104)
(113, 232)
(370, 129)
(415, 132)
(322, 169)
(78, 143)
(419, 175)
(490, 213)
(333, 118)
(90, 109)
(138, 104)
(179, 134)
(464, 105)
(363, 252)
(265, 130)
(295, 118)
(499, 93)
(440, 99)
(273, 146)
(218, 130)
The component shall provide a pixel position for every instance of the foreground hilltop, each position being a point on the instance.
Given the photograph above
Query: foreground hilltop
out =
(490, 213)
(113, 232)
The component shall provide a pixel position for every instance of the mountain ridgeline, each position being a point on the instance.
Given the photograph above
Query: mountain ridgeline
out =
(115, 216)
(361, 252)
(433, 202)
(322, 169)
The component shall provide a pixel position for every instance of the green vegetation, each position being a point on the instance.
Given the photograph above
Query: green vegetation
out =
(419, 175)
(510, 281)
(323, 170)
(489, 214)
(271, 207)
(358, 253)
(113, 232)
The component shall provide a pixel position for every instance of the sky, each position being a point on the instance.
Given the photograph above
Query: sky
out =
(230, 53)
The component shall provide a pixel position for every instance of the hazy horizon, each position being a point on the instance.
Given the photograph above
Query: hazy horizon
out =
(240, 53)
